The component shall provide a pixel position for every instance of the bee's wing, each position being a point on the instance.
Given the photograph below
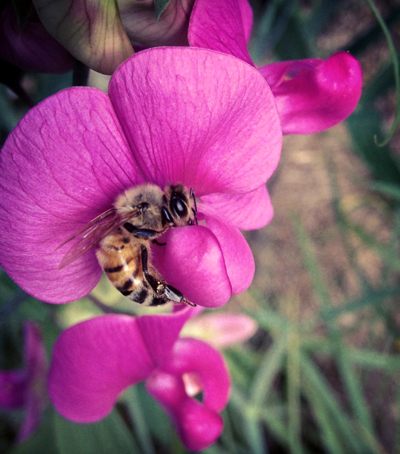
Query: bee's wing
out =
(93, 232)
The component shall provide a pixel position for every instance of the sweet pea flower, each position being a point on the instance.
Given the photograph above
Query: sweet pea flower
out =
(26, 388)
(204, 119)
(31, 48)
(94, 361)
(311, 95)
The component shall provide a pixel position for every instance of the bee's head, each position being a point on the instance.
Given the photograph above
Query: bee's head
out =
(181, 209)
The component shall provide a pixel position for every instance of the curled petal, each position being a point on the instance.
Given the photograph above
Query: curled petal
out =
(192, 261)
(32, 49)
(91, 30)
(142, 26)
(222, 25)
(237, 254)
(198, 424)
(214, 125)
(195, 356)
(62, 165)
(93, 362)
(315, 95)
(251, 210)
(160, 332)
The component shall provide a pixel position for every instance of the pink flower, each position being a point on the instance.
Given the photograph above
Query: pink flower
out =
(94, 361)
(195, 116)
(33, 49)
(311, 95)
(25, 388)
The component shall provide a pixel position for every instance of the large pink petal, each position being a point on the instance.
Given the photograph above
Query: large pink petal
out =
(203, 118)
(248, 211)
(33, 48)
(93, 362)
(198, 424)
(237, 254)
(314, 99)
(221, 25)
(142, 26)
(192, 261)
(62, 165)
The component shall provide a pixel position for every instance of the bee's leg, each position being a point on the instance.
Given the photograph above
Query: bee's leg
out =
(159, 244)
(161, 288)
(154, 283)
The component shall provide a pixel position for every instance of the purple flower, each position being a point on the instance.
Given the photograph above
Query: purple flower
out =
(26, 388)
(311, 95)
(94, 361)
(204, 119)
(32, 49)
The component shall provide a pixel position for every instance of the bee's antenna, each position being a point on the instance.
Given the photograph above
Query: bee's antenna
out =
(195, 205)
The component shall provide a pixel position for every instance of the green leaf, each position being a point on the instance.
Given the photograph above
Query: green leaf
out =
(160, 6)
(42, 441)
(270, 366)
(110, 435)
(364, 125)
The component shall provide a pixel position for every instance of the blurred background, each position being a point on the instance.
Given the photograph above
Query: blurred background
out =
(322, 372)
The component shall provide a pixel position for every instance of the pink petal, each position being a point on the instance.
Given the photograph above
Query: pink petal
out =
(199, 425)
(35, 354)
(33, 49)
(251, 210)
(221, 329)
(193, 355)
(141, 24)
(36, 369)
(34, 409)
(91, 30)
(160, 332)
(222, 25)
(247, 17)
(318, 94)
(93, 362)
(13, 388)
(237, 254)
(62, 165)
(213, 123)
(192, 261)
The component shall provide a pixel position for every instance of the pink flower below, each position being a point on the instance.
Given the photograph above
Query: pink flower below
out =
(94, 361)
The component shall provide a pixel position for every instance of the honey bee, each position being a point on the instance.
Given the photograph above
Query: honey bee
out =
(122, 237)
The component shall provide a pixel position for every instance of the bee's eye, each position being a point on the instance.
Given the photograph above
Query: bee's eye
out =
(179, 207)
